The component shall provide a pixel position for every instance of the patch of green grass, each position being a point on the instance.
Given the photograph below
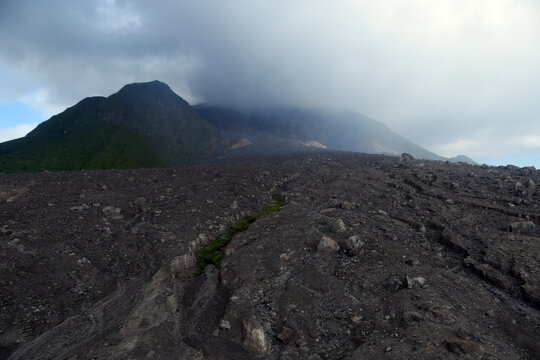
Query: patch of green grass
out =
(276, 206)
(213, 253)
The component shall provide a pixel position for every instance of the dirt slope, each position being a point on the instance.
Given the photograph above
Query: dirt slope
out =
(371, 257)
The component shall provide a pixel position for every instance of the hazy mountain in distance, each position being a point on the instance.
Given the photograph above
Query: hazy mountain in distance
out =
(337, 130)
(463, 159)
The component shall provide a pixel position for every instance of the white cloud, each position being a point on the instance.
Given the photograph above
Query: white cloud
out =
(114, 17)
(40, 100)
(532, 141)
(16, 132)
(487, 149)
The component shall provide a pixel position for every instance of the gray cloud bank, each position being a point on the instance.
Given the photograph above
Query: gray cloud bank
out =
(453, 76)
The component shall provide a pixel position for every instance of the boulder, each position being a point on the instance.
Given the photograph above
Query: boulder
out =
(346, 205)
(339, 227)
(406, 157)
(256, 340)
(327, 244)
(415, 282)
(183, 265)
(466, 347)
(354, 245)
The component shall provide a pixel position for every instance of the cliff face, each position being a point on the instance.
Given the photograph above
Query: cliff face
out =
(369, 256)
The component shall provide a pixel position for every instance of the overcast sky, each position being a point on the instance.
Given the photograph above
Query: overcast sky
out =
(454, 76)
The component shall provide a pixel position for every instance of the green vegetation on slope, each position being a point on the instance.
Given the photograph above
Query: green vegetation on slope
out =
(213, 253)
(195, 144)
(142, 125)
(99, 146)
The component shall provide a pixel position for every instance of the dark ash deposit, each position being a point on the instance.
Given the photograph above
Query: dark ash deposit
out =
(371, 257)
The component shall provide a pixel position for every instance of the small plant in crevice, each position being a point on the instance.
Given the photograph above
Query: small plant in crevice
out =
(213, 253)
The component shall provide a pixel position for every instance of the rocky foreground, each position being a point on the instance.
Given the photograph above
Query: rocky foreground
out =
(371, 257)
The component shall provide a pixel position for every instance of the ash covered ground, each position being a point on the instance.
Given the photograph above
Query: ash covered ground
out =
(371, 257)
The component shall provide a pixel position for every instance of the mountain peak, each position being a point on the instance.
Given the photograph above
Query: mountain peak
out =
(148, 90)
(147, 97)
(155, 84)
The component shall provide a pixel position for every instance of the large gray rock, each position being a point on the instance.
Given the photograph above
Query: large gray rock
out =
(183, 265)
(339, 227)
(465, 347)
(327, 244)
(256, 341)
(415, 282)
(347, 205)
(406, 157)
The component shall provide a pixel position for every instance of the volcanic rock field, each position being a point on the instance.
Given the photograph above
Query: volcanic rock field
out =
(369, 257)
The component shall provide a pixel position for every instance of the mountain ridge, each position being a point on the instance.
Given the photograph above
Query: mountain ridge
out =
(149, 125)
(343, 130)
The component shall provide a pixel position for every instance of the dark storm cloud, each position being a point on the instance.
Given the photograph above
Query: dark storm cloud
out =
(451, 75)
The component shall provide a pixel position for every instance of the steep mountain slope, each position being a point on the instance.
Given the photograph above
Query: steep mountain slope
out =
(142, 125)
